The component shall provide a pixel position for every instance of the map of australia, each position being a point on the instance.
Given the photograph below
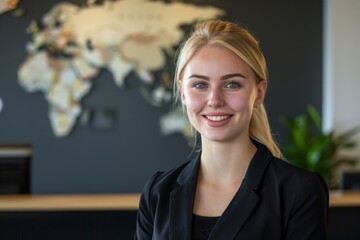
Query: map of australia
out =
(75, 43)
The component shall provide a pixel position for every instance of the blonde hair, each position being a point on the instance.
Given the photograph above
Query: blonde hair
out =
(239, 41)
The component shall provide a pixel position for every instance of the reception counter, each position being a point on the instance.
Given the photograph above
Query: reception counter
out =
(59, 217)
(344, 199)
(118, 202)
(69, 202)
(70, 217)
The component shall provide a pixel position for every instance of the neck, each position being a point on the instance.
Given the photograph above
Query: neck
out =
(226, 163)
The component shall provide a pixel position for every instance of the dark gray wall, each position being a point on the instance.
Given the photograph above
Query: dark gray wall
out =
(121, 160)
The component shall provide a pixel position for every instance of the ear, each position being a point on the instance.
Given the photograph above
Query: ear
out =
(261, 91)
(181, 91)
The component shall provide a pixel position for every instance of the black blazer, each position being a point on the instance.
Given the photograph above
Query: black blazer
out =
(275, 201)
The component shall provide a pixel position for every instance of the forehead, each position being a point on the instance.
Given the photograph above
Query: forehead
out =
(213, 60)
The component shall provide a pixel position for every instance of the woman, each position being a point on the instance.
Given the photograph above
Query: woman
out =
(236, 187)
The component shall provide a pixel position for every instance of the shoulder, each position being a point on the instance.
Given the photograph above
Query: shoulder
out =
(267, 173)
(163, 182)
(298, 185)
(304, 198)
(291, 174)
(165, 179)
(171, 179)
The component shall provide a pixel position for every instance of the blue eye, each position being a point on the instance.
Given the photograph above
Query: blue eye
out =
(200, 85)
(232, 85)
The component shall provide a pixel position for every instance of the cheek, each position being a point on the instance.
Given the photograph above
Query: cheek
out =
(239, 103)
(194, 102)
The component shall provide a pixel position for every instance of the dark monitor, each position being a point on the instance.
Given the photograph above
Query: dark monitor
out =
(15, 169)
(350, 181)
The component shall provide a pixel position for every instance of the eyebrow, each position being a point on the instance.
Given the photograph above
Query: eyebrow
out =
(227, 76)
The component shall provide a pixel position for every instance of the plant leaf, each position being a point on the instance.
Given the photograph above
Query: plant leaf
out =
(315, 116)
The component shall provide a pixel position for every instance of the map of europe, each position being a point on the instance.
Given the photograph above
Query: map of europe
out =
(75, 43)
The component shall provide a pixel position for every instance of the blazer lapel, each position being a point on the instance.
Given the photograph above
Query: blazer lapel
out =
(236, 214)
(245, 200)
(181, 207)
(182, 201)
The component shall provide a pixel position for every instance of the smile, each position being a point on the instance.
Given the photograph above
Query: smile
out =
(217, 118)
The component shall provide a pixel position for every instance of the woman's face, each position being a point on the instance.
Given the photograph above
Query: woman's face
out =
(219, 92)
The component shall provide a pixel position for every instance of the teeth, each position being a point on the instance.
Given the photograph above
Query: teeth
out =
(217, 118)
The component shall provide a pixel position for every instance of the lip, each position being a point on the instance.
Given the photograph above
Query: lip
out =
(217, 119)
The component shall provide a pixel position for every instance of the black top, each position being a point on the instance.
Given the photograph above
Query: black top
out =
(202, 227)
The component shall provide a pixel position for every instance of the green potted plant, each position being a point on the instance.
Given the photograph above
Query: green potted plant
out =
(309, 147)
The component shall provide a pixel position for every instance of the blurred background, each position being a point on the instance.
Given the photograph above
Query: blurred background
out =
(116, 143)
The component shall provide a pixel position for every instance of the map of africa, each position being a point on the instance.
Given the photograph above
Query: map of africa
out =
(75, 43)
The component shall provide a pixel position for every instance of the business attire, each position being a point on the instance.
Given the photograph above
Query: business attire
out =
(275, 201)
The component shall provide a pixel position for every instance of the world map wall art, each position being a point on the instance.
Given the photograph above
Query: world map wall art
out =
(71, 44)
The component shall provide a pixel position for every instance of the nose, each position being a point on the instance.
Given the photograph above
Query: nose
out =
(216, 98)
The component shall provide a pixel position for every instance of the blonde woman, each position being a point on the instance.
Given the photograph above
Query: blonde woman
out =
(236, 186)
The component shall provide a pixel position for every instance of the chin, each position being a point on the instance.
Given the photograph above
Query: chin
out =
(218, 138)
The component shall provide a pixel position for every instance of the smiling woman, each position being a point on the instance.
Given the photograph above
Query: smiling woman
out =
(220, 100)
(236, 186)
